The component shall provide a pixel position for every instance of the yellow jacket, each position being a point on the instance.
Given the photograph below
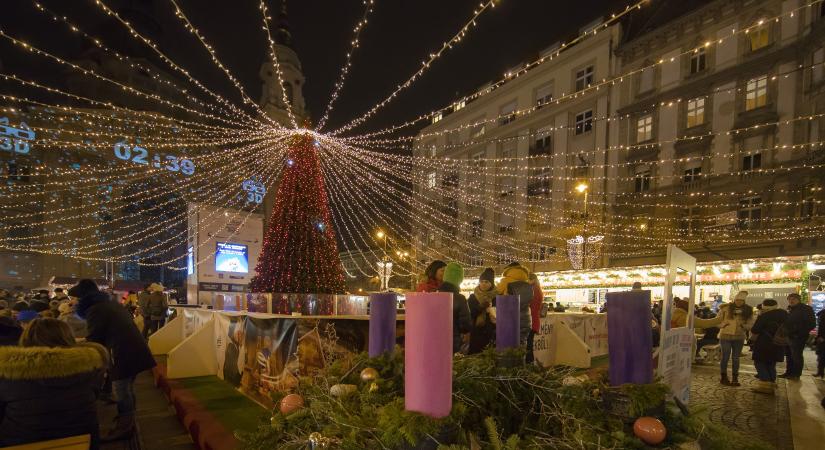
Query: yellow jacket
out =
(511, 274)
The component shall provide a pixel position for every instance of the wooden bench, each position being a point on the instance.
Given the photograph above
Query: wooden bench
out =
(70, 443)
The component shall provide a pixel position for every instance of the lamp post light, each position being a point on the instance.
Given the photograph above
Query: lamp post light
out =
(578, 246)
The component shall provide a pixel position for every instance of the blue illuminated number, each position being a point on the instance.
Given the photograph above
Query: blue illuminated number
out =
(5, 143)
(187, 167)
(253, 197)
(172, 163)
(141, 158)
(21, 147)
(123, 151)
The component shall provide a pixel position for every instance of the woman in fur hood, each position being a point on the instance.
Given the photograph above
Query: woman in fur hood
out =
(49, 385)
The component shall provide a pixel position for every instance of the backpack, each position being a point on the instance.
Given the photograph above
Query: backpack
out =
(157, 306)
(780, 338)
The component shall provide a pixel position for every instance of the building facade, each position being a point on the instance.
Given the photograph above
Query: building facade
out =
(694, 123)
(719, 132)
(545, 122)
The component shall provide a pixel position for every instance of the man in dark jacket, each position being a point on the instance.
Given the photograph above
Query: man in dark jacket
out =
(766, 353)
(156, 308)
(514, 281)
(143, 307)
(110, 325)
(453, 276)
(800, 322)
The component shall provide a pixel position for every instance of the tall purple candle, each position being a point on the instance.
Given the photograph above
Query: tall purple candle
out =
(507, 322)
(382, 323)
(428, 353)
(629, 337)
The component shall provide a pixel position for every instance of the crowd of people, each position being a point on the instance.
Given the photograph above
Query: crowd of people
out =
(62, 354)
(773, 335)
(474, 319)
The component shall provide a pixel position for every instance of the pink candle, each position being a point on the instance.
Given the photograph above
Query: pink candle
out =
(428, 353)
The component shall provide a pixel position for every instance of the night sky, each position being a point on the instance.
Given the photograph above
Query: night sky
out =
(399, 35)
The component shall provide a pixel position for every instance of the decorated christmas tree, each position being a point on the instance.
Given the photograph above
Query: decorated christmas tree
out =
(299, 253)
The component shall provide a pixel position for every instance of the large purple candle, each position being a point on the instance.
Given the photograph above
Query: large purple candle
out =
(507, 322)
(382, 323)
(629, 337)
(428, 353)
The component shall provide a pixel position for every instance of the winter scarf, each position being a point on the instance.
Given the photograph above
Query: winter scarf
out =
(485, 300)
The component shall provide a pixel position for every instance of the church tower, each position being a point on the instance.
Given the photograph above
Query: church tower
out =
(291, 75)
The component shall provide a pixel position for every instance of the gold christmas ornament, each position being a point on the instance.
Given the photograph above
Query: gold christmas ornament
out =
(369, 374)
(315, 438)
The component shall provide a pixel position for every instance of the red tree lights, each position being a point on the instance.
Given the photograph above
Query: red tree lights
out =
(299, 253)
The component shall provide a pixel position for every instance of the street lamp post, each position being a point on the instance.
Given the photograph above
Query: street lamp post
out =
(385, 265)
(582, 189)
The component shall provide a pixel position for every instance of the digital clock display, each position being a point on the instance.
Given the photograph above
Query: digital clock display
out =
(140, 155)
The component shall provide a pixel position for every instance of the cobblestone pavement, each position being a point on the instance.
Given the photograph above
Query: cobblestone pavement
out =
(750, 413)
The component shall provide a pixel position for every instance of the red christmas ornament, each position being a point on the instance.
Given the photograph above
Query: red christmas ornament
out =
(300, 253)
(291, 403)
(650, 430)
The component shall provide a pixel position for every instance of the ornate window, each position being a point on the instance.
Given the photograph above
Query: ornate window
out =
(756, 93)
(695, 112)
(584, 121)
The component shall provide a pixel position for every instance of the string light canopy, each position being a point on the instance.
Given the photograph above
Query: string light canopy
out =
(82, 170)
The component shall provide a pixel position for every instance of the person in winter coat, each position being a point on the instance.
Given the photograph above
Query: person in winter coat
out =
(483, 332)
(734, 320)
(434, 277)
(679, 316)
(820, 345)
(143, 308)
(453, 276)
(766, 353)
(10, 332)
(110, 325)
(48, 386)
(535, 313)
(801, 321)
(514, 282)
(156, 306)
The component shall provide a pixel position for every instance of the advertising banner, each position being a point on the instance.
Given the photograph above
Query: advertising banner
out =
(231, 257)
(229, 347)
(259, 302)
(677, 339)
(675, 356)
(269, 349)
(590, 328)
(543, 349)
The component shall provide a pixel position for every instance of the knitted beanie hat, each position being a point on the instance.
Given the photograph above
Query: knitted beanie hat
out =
(489, 274)
(454, 273)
